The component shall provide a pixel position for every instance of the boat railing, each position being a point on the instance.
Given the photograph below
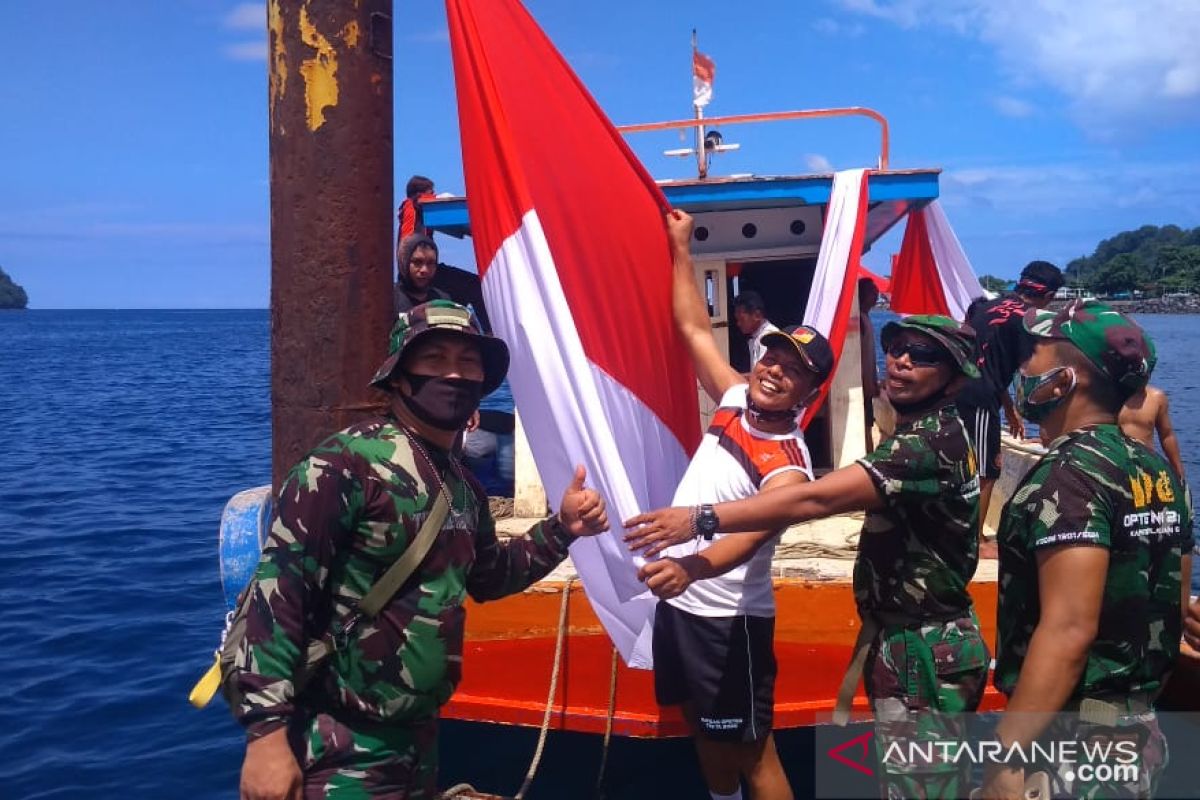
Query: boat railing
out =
(775, 116)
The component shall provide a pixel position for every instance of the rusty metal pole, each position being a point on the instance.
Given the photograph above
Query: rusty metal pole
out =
(330, 93)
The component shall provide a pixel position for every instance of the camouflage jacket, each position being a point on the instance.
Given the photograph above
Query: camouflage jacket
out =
(344, 514)
(1098, 488)
(917, 553)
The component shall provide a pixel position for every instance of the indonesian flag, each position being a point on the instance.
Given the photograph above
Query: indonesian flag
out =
(932, 274)
(575, 268)
(703, 72)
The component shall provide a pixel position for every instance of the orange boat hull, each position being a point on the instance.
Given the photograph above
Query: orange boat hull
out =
(509, 655)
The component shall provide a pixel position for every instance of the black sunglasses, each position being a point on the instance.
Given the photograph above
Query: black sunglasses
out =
(921, 355)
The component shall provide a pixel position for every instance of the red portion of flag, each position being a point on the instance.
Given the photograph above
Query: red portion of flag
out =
(534, 139)
(916, 284)
(703, 67)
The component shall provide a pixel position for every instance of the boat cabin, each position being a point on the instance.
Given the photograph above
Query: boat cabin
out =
(762, 233)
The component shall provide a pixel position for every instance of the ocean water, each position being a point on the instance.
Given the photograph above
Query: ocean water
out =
(124, 433)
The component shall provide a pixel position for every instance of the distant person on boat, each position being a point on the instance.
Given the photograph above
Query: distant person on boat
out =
(750, 317)
(409, 216)
(366, 722)
(920, 642)
(1092, 549)
(868, 298)
(1148, 412)
(715, 627)
(416, 267)
(1002, 345)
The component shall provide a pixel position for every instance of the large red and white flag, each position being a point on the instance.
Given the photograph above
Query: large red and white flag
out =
(575, 267)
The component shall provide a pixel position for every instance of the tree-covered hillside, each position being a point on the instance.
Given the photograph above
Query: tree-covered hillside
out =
(11, 295)
(1151, 259)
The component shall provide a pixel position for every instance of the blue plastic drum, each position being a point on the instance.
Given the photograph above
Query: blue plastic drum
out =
(244, 527)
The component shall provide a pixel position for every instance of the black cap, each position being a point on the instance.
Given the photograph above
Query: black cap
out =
(814, 349)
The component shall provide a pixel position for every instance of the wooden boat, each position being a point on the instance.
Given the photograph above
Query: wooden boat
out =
(542, 658)
(753, 232)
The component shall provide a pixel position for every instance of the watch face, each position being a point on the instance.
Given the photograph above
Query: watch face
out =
(707, 522)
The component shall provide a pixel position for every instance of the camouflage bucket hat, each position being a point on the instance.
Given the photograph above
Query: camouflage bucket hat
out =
(443, 315)
(958, 338)
(1117, 345)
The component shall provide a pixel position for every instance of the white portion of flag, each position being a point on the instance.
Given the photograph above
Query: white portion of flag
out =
(835, 256)
(959, 284)
(574, 412)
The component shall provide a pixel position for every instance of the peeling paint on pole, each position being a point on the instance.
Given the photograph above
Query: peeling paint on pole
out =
(319, 72)
(332, 212)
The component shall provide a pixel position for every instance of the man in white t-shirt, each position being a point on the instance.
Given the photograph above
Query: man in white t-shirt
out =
(750, 317)
(714, 629)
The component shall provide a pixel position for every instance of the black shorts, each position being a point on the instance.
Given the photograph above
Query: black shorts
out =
(983, 427)
(723, 668)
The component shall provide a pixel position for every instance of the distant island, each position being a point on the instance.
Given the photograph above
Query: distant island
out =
(11, 295)
(1150, 261)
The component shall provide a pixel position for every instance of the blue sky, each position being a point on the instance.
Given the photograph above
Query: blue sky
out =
(134, 134)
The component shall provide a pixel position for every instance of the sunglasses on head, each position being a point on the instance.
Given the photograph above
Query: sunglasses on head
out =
(921, 355)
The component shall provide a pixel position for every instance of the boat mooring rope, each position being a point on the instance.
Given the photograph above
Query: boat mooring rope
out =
(608, 725)
(558, 651)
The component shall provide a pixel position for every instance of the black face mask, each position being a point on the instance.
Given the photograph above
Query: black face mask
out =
(444, 403)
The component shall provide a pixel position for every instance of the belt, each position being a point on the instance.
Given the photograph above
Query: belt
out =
(872, 624)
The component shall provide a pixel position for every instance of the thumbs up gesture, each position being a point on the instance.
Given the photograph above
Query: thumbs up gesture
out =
(582, 510)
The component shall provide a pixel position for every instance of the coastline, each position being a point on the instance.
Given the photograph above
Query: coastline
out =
(1157, 305)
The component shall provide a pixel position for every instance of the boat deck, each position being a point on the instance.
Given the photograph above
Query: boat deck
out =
(509, 649)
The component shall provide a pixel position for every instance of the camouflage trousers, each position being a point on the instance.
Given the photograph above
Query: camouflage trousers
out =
(1136, 741)
(920, 681)
(362, 759)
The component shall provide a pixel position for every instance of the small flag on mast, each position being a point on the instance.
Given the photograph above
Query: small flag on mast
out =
(703, 72)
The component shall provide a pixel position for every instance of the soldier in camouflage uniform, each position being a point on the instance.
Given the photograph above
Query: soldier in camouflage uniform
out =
(920, 643)
(1093, 547)
(365, 724)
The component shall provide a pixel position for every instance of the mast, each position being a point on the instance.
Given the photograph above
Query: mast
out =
(330, 107)
(701, 150)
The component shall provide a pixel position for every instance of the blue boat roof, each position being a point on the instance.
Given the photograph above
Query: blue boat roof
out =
(891, 195)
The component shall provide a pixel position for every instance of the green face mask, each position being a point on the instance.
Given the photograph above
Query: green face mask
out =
(1027, 387)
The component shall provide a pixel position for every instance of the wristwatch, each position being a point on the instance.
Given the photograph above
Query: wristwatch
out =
(707, 522)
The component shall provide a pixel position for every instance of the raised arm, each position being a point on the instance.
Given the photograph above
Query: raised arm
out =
(1166, 435)
(847, 489)
(691, 315)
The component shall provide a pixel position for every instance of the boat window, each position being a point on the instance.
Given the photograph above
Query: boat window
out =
(712, 292)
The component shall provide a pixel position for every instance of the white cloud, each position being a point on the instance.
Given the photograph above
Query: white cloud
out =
(247, 17)
(246, 51)
(1012, 106)
(1120, 64)
(818, 163)
(1035, 191)
(827, 26)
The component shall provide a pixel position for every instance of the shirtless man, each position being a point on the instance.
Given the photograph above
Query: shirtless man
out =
(1146, 412)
